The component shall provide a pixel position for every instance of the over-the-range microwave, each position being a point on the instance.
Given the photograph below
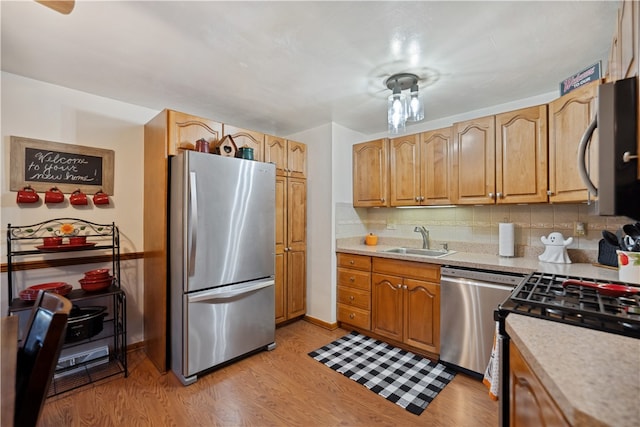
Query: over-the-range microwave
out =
(616, 118)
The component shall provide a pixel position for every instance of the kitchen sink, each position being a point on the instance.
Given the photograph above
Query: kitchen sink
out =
(431, 253)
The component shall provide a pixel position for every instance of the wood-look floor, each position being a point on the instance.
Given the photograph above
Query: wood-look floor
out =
(284, 387)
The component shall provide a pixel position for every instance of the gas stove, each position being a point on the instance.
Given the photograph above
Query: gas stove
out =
(543, 295)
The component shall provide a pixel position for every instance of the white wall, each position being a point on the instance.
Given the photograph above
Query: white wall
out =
(320, 230)
(39, 110)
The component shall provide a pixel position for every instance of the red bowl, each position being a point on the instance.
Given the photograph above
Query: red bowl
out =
(92, 281)
(96, 286)
(52, 241)
(100, 273)
(48, 286)
(31, 293)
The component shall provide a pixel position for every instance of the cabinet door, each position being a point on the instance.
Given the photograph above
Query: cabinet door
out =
(422, 315)
(296, 283)
(185, 130)
(370, 168)
(530, 403)
(404, 178)
(296, 159)
(521, 156)
(474, 161)
(247, 138)
(386, 306)
(435, 159)
(281, 244)
(275, 151)
(569, 117)
(280, 287)
(296, 213)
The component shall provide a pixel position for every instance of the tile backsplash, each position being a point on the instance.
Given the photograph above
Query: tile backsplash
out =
(475, 228)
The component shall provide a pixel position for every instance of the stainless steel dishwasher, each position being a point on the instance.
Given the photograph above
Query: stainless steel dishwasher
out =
(468, 298)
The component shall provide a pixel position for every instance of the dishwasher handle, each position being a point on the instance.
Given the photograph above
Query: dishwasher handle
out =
(473, 282)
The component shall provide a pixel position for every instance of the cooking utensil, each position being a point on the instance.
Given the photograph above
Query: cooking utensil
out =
(610, 238)
(608, 289)
(27, 195)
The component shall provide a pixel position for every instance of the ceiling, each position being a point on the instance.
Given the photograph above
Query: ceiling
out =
(283, 67)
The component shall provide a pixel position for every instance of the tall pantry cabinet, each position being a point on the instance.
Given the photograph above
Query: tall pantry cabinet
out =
(164, 135)
(290, 158)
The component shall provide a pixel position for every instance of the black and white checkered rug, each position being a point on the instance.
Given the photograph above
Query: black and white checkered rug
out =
(401, 377)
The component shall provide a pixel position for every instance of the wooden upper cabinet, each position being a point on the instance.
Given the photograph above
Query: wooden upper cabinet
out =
(290, 157)
(569, 117)
(246, 138)
(296, 159)
(184, 130)
(473, 161)
(435, 161)
(370, 168)
(521, 156)
(404, 180)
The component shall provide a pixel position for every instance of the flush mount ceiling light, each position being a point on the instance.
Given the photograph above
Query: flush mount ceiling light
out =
(399, 108)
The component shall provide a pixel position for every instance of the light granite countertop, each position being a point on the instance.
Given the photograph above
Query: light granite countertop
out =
(593, 376)
(487, 262)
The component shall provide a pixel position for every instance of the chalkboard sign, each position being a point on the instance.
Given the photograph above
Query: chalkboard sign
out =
(45, 164)
(61, 168)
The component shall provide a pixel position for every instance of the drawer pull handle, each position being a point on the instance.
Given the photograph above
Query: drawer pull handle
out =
(353, 279)
(351, 262)
(352, 316)
(351, 297)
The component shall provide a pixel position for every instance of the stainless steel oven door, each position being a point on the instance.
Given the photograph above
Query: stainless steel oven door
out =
(226, 322)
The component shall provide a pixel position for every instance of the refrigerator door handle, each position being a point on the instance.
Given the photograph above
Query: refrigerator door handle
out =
(193, 222)
(229, 292)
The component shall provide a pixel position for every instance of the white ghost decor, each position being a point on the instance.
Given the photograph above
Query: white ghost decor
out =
(555, 248)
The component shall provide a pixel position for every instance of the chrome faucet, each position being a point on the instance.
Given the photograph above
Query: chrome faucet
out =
(425, 236)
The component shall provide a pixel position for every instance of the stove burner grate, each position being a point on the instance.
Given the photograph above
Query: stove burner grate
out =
(542, 295)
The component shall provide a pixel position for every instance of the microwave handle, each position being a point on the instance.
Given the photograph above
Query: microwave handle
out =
(582, 150)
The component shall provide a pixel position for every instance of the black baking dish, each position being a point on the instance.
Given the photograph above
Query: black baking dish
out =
(84, 322)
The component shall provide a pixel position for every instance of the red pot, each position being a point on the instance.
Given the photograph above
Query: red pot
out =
(53, 195)
(27, 195)
(78, 198)
(100, 198)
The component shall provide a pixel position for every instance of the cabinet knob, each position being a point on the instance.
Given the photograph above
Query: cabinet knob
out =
(352, 316)
(382, 200)
(491, 195)
(351, 262)
(499, 195)
(404, 287)
(352, 279)
(549, 193)
(417, 198)
(351, 298)
(399, 286)
(422, 198)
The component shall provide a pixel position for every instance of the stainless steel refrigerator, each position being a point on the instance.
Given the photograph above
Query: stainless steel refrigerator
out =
(221, 260)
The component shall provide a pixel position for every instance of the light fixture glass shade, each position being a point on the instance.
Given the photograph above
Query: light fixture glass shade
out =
(415, 108)
(397, 112)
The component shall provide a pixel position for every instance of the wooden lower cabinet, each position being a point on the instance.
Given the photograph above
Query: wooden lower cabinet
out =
(354, 290)
(530, 404)
(405, 302)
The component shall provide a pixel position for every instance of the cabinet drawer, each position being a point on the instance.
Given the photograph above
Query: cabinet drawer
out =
(354, 297)
(354, 279)
(410, 269)
(354, 316)
(359, 262)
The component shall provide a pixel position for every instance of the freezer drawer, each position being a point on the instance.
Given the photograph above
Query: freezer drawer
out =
(224, 323)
